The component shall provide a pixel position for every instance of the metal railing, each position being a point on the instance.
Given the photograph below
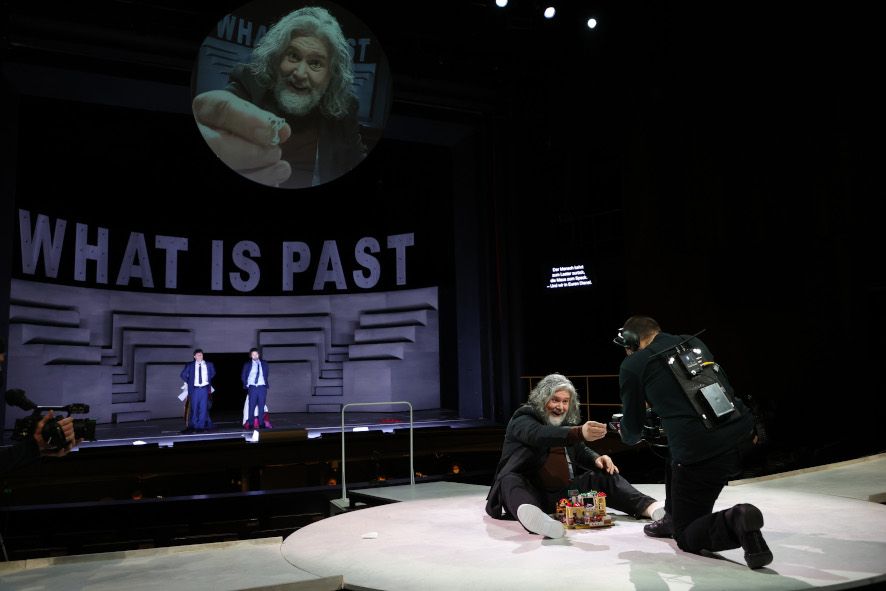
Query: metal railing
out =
(344, 484)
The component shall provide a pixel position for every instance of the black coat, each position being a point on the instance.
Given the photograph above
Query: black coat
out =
(528, 440)
(644, 378)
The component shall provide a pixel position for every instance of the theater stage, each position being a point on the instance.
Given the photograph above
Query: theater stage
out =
(167, 432)
(824, 525)
(820, 525)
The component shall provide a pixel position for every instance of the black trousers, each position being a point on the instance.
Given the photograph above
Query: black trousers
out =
(692, 490)
(517, 489)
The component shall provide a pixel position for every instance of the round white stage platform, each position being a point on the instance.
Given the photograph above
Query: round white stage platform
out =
(818, 541)
(825, 525)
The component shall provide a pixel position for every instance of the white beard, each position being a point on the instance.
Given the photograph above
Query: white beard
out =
(555, 420)
(294, 103)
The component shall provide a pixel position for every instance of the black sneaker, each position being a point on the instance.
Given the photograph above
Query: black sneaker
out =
(746, 521)
(661, 528)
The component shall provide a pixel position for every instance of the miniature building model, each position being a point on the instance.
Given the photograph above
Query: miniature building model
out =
(585, 510)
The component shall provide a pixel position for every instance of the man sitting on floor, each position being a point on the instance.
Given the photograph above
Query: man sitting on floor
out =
(545, 454)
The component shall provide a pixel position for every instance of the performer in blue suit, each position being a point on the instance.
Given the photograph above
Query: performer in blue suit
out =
(255, 379)
(198, 376)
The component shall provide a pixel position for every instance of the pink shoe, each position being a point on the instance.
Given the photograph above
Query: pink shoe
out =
(246, 426)
(268, 424)
(255, 424)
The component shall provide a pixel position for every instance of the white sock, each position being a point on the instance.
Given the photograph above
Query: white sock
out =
(654, 511)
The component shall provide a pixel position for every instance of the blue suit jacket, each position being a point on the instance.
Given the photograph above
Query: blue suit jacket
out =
(247, 367)
(190, 372)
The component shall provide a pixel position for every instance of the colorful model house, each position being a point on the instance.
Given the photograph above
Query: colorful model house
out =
(585, 510)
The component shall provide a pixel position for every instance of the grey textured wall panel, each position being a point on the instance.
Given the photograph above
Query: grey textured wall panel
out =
(122, 352)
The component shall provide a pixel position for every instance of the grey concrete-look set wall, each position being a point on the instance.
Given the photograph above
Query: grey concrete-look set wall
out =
(122, 352)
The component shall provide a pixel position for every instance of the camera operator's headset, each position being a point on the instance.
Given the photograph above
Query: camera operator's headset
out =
(627, 339)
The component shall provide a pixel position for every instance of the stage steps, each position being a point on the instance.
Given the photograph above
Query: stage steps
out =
(20, 313)
(111, 349)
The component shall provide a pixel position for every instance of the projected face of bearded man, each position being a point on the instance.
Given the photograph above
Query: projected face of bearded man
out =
(303, 75)
(557, 407)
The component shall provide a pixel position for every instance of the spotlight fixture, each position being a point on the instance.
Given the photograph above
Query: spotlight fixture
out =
(501, 3)
(550, 12)
(592, 23)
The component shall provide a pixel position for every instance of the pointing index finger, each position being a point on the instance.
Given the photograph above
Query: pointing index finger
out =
(222, 109)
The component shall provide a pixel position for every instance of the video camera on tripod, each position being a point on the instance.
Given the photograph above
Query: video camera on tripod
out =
(52, 432)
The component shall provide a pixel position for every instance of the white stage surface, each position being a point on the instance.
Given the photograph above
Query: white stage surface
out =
(822, 524)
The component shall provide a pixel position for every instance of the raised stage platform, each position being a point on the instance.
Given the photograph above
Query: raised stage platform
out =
(167, 432)
(151, 463)
(821, 524)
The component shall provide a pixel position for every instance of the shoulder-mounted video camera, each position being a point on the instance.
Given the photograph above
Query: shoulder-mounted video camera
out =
(653, 430)
(52, 432)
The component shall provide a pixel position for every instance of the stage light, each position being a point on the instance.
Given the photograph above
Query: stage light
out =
(501, 3)
(592, 23)
(550, 11)
(139, 442)
(358, 429)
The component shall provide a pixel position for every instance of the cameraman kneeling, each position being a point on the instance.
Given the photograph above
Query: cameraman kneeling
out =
(703, 456)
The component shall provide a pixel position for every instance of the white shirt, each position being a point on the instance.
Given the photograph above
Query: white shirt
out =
(200, 373)
(256, 378)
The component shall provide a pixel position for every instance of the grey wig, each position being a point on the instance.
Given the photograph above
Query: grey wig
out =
(318, 22)
(546, 388)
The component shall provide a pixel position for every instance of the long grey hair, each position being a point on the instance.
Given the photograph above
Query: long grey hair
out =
(318, 22)
(546, 388)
